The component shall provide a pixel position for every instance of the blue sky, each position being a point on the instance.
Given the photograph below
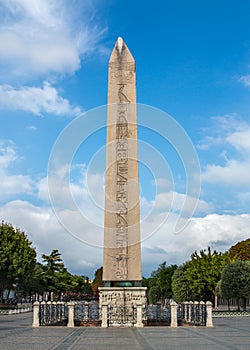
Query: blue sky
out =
(193, 63)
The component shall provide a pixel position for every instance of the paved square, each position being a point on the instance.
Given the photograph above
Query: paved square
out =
(16, 333)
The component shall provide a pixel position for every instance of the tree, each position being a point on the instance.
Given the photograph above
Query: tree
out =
(204, 272)
(54, 274)
(163, 278)
(17, 258)
(81, 286)
(97, 282)
(154, 294)
(35, 284)
(240, 251)
(180, 283)
(235, 281)
(161, 282)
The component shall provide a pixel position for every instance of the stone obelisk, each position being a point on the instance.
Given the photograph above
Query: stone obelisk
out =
(122, 251)
(122, 248)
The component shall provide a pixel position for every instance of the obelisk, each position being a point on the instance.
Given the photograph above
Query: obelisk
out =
(122, 249)
(122, 293)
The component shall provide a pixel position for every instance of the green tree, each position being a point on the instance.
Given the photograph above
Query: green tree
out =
(163, 278)
(35, 284)
(204, 272)
(97, 282)
(17, 258)
(81, 285)
(235, 281)
(240, 251)
(180, 283)
(54, 274)
(154, 294)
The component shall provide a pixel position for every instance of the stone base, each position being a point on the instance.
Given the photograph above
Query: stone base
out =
(125, 296)
(122, 306)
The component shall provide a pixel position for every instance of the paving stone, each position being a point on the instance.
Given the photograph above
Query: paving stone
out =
(16, 333)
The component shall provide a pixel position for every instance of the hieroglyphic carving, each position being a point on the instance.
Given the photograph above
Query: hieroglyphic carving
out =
(121, 257)
(121, 94)
(126, 77)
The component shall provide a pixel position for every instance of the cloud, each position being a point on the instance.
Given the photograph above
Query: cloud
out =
(233, 167)
(12, 184)
(245, 80)
(175, 201)
(46, 233)
(42, 36)
(240, 139)
(77, 231)
(219, 232)
(36, 100)
(234, 173)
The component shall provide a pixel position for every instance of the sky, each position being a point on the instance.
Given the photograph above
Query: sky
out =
(193, 90)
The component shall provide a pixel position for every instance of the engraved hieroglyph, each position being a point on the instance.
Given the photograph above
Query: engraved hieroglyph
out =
(122, 251)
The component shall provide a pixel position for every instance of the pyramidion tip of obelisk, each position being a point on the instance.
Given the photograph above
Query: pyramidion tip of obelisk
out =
(119, 44)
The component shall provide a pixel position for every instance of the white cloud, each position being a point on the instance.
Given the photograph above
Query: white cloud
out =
(174, 201)
(46, 233)
(235, 166)
(12, 184)
(234, 173)
(7, 154)
(36, 100)
(42, 36)
(219, 232)
(81, 243)
(245, 80)
(240, 139)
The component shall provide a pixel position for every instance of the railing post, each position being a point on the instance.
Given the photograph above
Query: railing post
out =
(71, 306)
(191, 309)
(86, 311)
(209, 320)
(104, 312)
(54, 312)
(49, 311)
(185, 306)
(196, 313)
(36, 314)
(139, 322)
(62, 310)
(202, 321)
(174, 314)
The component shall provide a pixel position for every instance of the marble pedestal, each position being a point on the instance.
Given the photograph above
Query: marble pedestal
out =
(122, 306)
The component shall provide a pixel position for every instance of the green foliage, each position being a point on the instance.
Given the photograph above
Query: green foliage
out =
(154, 294)
(240, 251)
(180, 283)
(235, 280)
(97, 282)
(197, 278)
(17, 258)
(160, 283)
(55, 276)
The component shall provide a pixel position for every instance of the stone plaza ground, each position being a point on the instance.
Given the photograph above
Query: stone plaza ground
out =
(227, 334)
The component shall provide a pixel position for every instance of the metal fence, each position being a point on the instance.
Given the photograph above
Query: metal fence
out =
(91, 314)
(121, 316)
(192, 313)
(52, 313)
(157, 315)
(86, 312)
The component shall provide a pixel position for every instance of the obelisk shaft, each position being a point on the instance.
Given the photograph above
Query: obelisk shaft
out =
(122, 250)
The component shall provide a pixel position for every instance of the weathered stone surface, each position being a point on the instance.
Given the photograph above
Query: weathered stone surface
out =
(122, 296)
(122, 250)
